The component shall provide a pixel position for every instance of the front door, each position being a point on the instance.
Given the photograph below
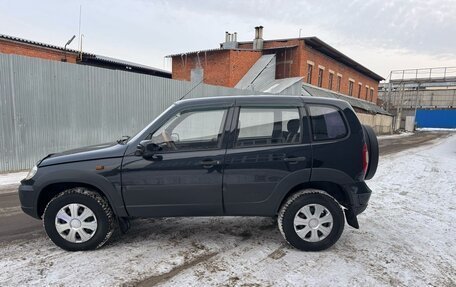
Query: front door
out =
(184, 176)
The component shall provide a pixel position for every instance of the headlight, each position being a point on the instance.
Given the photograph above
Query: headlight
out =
(32, 173)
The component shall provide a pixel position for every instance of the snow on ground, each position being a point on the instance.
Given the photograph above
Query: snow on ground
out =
(10, 181)
(407, 238)
(12, 178)
(436, 129)
(403, 134)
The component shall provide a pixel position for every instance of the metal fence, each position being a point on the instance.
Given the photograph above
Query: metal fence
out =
(49, 106)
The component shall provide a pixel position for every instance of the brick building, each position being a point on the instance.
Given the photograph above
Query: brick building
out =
(313, 60)
(23, 47)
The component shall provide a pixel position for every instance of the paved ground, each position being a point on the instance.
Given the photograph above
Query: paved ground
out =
(394, 144)
(179, 252)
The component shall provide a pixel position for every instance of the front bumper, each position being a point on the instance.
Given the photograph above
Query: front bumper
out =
(27, 196)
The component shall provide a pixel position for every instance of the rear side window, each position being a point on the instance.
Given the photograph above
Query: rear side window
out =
(268, 126)
(327, 123)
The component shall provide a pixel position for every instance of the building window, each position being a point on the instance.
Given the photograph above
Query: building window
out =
(359, 90)
(371, 95)
(330, 83)
(350, 88)
(320, 77)
(339, 79)
(367, 92)
(309, 73)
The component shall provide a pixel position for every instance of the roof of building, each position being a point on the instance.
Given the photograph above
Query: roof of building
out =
(127, 64)
(89, 57)
(210, 51)
(328, 50)
(40, 44)
(310, 90)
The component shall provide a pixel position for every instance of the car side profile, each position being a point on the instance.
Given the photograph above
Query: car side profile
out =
(303, 160)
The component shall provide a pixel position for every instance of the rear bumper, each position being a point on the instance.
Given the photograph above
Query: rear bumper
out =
(359, 195)
(27, 196)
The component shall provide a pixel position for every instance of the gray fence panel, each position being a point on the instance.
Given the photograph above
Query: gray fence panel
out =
(49, 106)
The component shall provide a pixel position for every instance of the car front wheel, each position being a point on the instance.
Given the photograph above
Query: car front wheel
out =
(311, 220)
(78, 219)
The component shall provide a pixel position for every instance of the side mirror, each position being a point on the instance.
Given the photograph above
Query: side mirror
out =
(147, 149)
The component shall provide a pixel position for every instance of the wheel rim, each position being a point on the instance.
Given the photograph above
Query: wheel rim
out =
(313, 222)
(76, 223)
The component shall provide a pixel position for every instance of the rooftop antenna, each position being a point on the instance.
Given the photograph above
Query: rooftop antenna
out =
(80, 49)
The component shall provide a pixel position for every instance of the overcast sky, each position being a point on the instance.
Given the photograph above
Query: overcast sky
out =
(380, 34)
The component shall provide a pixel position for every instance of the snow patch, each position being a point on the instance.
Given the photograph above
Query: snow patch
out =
(12, 178)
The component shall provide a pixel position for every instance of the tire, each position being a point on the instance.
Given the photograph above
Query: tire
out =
(372, 149)
(78, 219)
(300, 231)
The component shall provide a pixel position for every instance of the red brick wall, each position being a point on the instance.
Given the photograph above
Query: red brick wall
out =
(292, 62)
(7, 47)
(215, 65)
(288, 60)
(223, 68)
(328, 63)
(226, 68)
(240, 64)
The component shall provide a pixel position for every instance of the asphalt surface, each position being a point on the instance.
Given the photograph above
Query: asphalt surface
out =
(15, 225)
(390, 145)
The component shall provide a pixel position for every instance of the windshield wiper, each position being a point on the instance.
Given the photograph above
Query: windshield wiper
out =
(123, 140)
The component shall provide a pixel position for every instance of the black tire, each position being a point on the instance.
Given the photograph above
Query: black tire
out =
(95, 202)
(294, 203)
(372, 149)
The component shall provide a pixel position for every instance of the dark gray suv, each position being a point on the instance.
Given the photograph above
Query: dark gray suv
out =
(303, 160)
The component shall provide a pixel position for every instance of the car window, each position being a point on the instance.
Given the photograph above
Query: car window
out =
(268, 126)
(327, 123)
(191, 130)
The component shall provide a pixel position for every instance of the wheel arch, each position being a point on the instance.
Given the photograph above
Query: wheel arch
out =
(51, 190)
(56, 181)
(333, 189)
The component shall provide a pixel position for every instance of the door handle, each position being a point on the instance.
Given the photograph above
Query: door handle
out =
(293, 160)
(209, 163)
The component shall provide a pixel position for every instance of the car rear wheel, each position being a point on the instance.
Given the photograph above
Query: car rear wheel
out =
(78, 219)
(311, 220)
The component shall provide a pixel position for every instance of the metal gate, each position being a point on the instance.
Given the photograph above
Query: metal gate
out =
(436, 118)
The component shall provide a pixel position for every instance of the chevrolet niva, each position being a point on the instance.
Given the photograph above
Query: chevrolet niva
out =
(303, 160)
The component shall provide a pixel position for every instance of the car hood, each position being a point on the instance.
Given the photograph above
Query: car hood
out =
(106, 150)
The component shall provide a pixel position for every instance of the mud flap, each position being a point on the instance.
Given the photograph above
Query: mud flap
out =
(351, 218)
(124, 224)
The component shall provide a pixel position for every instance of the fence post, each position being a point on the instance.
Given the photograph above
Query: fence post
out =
(15, 138)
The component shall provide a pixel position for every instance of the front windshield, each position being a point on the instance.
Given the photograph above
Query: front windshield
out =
(137, 135)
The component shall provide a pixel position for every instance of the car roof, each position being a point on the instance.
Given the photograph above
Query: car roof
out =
(261, 99)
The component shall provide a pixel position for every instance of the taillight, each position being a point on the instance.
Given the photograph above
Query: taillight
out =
(365, 158)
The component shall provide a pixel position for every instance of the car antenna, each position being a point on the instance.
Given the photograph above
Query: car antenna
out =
(191, 90)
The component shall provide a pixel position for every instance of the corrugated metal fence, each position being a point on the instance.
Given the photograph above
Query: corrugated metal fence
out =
(49, 106)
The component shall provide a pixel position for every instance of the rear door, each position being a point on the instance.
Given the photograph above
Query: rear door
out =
(270, 144)
(337, 150)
